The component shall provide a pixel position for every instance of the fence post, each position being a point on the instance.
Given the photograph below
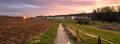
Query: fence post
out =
(77, 32)
(77, 35)
(99, 40)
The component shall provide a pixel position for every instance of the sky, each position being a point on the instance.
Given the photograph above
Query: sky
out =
(51, 7)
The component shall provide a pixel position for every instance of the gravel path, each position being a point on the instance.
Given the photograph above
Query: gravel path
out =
(61, 37)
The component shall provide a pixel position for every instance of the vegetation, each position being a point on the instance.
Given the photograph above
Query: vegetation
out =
(108, 35)
(82, 21)
(47, 37)
(15, 30)
(108, 13)
(114, 26)
(65, 21)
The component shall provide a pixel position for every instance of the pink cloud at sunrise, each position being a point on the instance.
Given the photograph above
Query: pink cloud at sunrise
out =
(51, 7)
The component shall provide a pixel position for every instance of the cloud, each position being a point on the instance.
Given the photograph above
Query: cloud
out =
(52, 7)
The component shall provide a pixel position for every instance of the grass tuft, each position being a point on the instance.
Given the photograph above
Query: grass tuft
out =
(47, 37)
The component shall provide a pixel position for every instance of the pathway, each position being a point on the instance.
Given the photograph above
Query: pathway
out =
(61, 37)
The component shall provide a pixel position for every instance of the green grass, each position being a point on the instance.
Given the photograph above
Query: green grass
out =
(47, 37)
(65, 21)
(108, 35)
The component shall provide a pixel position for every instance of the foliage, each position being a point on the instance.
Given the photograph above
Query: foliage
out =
(108, 13)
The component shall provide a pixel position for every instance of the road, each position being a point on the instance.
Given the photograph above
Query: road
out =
(61, 37)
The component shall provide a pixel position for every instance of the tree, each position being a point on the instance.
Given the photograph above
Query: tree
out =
(118, 14)
(107, 13)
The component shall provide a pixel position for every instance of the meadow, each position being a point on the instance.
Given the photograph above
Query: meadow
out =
(47, 37)
(15, 30)
(88, 34)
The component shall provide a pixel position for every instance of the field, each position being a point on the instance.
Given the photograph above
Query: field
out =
(88, 34)
(15, 30)
(109, 26)
(48, 37)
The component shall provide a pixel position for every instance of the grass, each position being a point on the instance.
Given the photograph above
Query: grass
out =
(113, 26)
(65, 21)
(108, 35)
(47, 37)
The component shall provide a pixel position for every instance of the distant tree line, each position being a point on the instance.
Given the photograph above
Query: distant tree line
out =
(107, 14)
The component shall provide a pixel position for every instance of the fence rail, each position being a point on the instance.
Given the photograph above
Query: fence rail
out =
(94, 36)
(76, 35)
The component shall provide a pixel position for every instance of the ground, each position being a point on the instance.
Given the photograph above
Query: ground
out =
(61, 37)
(15, 30)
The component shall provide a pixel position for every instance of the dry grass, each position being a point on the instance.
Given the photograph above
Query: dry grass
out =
(109, 26)
(15, 30)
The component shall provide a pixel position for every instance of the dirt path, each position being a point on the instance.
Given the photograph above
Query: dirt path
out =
(61, 37)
